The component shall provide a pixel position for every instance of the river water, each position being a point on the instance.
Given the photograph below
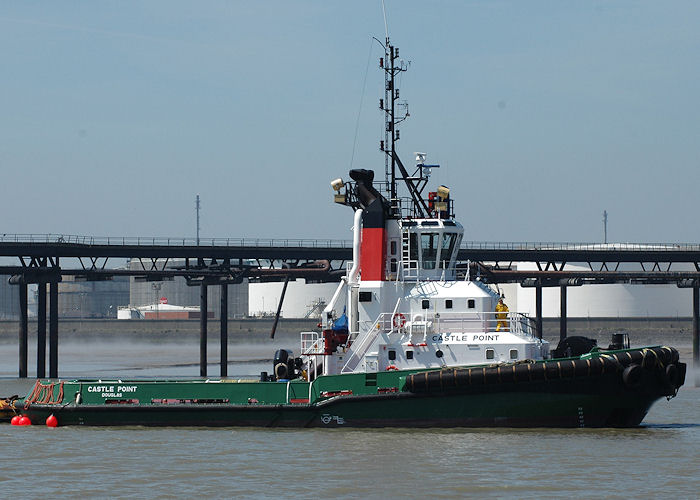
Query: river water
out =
(660, 459)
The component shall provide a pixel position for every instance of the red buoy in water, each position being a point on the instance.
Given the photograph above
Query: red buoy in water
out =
(51, 421)
(15, 420)
(24, 420)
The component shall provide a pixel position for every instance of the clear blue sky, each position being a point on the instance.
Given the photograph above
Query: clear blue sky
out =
(542, 114)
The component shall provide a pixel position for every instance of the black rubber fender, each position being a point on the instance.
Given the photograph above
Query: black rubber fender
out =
(632, 376)
(681, 374)
(649, 359)
(672, 375)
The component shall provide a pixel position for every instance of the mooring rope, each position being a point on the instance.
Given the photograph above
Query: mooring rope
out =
(44, 394)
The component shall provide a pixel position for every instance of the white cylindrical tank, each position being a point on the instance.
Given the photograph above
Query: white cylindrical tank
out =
(606, 301)
(301, 300)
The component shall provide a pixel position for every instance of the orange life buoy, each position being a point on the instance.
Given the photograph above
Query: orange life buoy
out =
(391, 367)
(399, 320)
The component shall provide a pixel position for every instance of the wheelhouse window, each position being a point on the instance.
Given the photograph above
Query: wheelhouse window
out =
(429, 249)
(447, 247)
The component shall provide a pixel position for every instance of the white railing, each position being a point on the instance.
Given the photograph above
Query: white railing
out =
(360, 349)
(311, 343)
(481, 322)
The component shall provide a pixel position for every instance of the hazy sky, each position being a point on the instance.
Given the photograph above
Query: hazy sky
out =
(116, 114)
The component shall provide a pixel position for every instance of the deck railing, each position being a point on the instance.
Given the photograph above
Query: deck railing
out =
(326, 243)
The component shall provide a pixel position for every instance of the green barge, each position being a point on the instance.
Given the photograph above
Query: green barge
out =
(598, 389)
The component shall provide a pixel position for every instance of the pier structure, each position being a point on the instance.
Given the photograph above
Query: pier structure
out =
(44, 259)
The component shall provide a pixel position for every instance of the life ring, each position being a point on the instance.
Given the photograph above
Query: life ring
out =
(391, 368)
(399, 320)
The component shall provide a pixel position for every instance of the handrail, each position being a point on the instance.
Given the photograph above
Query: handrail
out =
(372, 334)
(361, 348)
(73, 239)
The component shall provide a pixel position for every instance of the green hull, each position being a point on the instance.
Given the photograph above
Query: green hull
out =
(592, 391)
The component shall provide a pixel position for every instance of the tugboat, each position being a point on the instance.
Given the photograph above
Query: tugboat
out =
(405, 341)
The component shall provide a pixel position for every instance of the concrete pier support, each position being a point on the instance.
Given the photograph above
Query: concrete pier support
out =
(53, 329)
(203, 330)
(23, 329)
(538, 309)
(562, 313)
(696, 334)
(224, 330)
(41, 331)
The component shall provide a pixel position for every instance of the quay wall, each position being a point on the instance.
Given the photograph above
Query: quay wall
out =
(239, 330)
(649, 330)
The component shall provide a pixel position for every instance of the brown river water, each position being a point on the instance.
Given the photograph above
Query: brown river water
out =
(661, 459)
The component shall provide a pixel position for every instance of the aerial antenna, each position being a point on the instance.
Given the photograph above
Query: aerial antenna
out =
(605, 226)
(197, 206)
(386, 27)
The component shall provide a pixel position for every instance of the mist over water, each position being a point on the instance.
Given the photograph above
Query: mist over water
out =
(659, 459)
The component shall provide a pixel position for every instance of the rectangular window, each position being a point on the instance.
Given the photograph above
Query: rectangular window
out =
(429, 249)
(471, 303)
(425, 304)
(513, 354)
(365, 296)
(413, 247)
(490, 354)
(393, 266)
(409, 354)
(392, 355)
(393, 247)
(448, 246)
(448, 304)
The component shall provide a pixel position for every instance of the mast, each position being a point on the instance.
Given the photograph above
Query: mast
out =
(396, 111)
(389, 105)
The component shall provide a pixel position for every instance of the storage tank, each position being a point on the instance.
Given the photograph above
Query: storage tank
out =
(9, 300)
(302, 300)
(91, 299)
(616, 300)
